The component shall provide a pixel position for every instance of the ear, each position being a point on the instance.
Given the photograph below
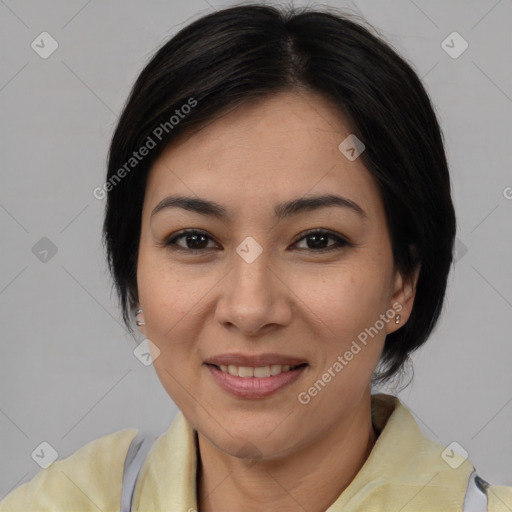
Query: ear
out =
(140, 320)
(402, 299)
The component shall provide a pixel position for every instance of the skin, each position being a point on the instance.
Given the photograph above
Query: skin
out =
(293, 299)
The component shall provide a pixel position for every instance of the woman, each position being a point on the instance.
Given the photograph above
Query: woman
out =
(279, 224)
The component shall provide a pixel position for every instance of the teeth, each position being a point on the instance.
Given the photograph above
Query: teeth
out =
(275, 369)
(262, 371)
(259, 372)
(245, 371)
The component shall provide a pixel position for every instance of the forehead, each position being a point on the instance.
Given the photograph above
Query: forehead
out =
(267, 151)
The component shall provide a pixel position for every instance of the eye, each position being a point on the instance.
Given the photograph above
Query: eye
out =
(317, 240)
(194, 240)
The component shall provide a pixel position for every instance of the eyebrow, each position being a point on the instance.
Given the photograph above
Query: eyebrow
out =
(281, 210)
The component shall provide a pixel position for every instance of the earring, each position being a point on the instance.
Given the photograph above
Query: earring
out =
(397, 319)
(138, 322)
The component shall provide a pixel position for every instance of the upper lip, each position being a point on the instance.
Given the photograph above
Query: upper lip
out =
(254, 361)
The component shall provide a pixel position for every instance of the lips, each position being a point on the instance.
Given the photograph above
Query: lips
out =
(254, 387)
(258, 376)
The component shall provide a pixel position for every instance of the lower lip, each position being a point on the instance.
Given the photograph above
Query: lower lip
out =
(254, 387)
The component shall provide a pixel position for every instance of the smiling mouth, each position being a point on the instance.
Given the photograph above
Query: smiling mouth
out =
(257, 372)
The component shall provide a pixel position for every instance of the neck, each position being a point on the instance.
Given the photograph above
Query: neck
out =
(310, 479)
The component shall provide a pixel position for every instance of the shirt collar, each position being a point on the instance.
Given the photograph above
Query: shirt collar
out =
(169, 475)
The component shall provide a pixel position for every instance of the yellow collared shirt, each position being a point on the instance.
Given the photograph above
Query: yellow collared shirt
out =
(405, 472)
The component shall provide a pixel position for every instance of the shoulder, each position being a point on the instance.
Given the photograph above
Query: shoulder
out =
(88, 480)
(424, 471)
(499, 498)
(438, 471)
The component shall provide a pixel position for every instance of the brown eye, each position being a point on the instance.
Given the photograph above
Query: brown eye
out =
(318, 241)
(192, 240)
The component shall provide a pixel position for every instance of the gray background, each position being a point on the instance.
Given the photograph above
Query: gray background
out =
(68, 373)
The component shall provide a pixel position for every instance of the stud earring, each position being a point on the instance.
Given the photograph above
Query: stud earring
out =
(138, 322)
(397, 319)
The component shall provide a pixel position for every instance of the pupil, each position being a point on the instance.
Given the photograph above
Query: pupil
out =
(318, 240)
(193, 240)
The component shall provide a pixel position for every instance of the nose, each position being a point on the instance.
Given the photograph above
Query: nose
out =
(254, 297)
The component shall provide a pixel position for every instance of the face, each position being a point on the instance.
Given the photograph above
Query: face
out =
(258, 284)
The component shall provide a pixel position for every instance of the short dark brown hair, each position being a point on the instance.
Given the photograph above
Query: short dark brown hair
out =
(241, 53)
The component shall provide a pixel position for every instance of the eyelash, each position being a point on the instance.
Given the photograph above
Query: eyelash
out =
(340, 241)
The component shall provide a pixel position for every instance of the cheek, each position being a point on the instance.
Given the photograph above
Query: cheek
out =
(348, 304)
(345, 299)
(170, 302)
(177, 302)
(167, 293)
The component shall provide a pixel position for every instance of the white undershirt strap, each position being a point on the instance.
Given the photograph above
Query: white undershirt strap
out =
(135, 457)
(476, 494)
